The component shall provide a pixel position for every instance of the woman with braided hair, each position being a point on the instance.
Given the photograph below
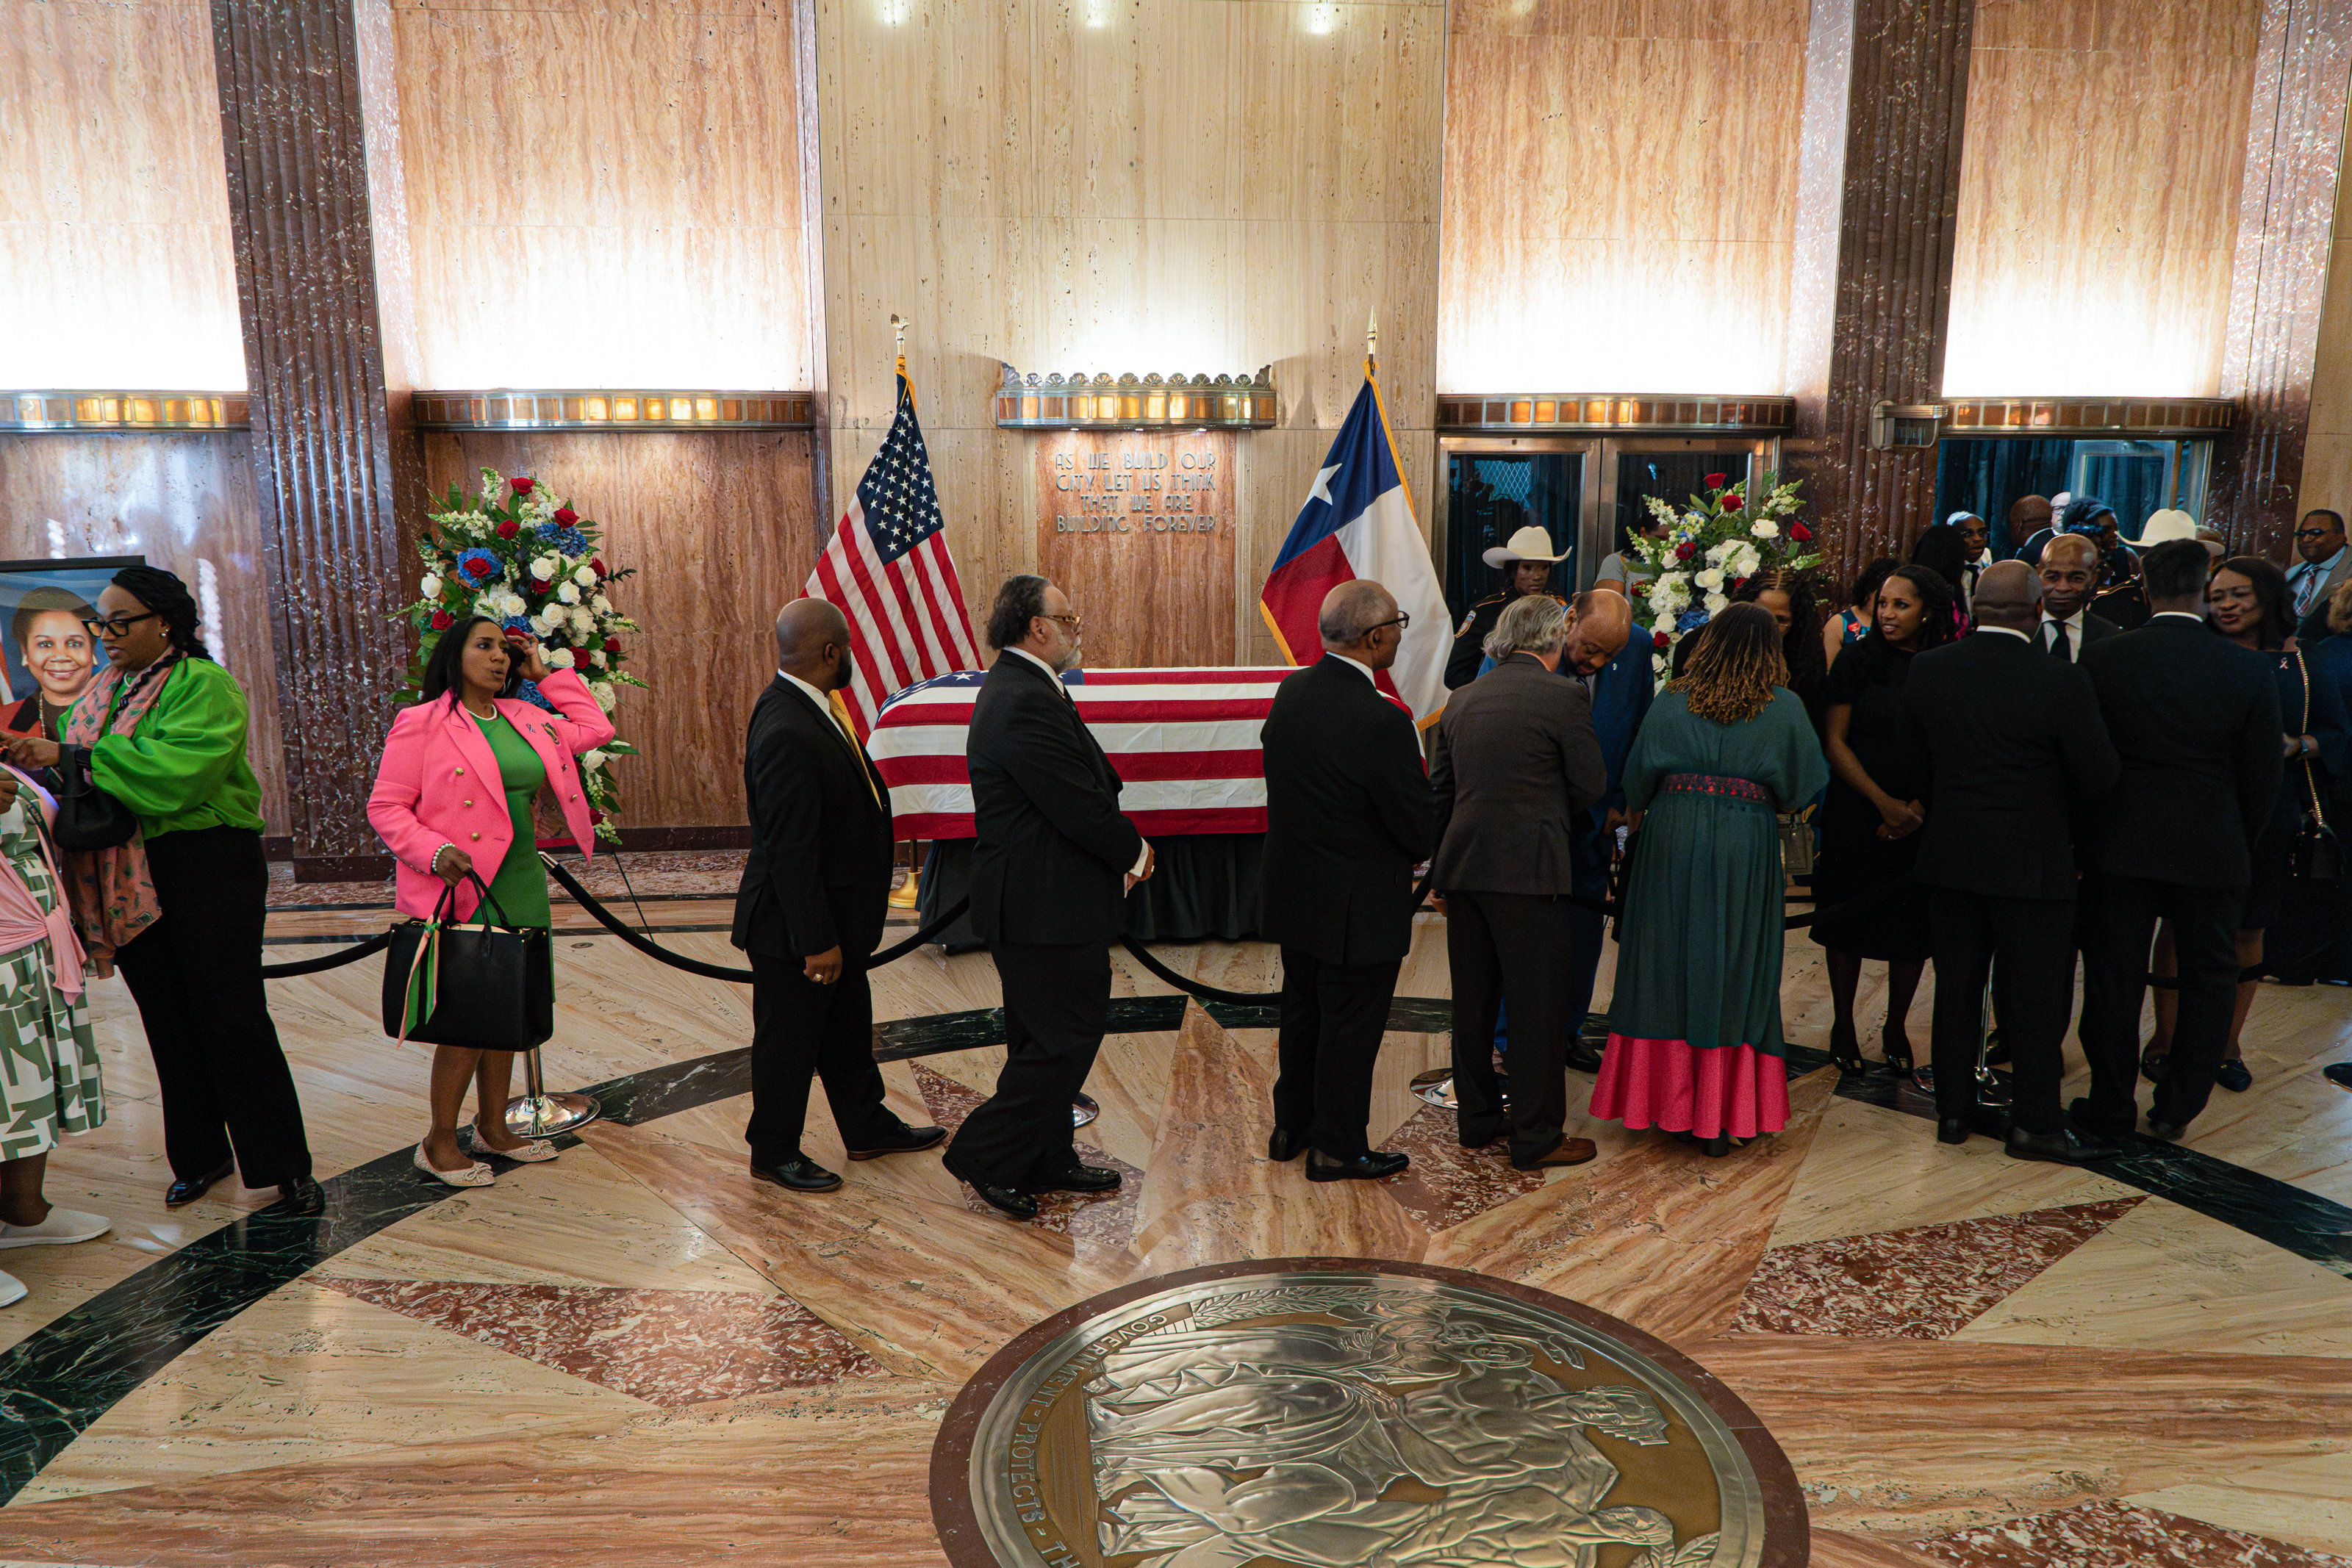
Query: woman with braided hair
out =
(180, 905)
(1694, 1041)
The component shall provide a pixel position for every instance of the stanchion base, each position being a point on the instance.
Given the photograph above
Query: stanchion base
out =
(545, 1116)
(1084, 1110)
(1436, 1087)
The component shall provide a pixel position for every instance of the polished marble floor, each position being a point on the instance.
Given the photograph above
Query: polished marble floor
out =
(637, 1354)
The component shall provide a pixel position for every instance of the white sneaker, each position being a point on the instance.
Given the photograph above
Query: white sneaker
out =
(11, 1290)
(62, 1226)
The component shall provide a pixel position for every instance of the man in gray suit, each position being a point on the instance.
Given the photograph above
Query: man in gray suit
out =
(1516, 761)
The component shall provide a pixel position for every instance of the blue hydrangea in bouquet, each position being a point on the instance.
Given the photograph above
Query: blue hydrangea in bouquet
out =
(1701, 553)
(516, 553)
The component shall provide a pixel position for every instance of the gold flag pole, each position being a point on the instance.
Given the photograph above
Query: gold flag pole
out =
(908, 893)
(1372, 342)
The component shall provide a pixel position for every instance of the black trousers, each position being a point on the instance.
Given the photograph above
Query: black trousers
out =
(1057, 1000)
(1518, 947)
(196, 977)
(2034, 993)
(1333, 1016)
(2119, 916)
(800, 1029)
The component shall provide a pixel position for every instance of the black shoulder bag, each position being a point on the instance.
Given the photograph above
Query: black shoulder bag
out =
(485, 987)
(2318, 853)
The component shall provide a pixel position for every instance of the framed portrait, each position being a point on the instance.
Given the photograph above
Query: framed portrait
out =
(47, 655)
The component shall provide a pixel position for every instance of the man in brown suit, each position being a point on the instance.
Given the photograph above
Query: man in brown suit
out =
(1516, 761)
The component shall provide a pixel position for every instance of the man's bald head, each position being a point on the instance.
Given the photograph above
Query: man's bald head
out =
(813, 643)
(1603, 620)
(1359, 620)
(2008, 595)
(2078, 547)
(2070, 570)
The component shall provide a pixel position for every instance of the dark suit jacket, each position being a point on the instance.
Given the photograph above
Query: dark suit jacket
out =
(2015, 748)
(2096, 629)
(2196, 720)
(1516, 766)
(819, 872)
(1348, 815)
(1050, 862)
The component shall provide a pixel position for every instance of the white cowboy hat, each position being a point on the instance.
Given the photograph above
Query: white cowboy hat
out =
(2166, 526)
(1529, 543)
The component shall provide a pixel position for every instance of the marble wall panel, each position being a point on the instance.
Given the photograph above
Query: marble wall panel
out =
(718, 528)
(1138, 528)
(114, 236)
(1621, 194)
(2099, 195)
(1168, 185)
(569, 163)
(2327, 449)
(184, 502)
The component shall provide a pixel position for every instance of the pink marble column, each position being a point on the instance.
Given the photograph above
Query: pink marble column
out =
(2295, 146)
(1886, 86)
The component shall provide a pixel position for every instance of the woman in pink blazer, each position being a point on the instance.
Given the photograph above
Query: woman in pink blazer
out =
(454, 795)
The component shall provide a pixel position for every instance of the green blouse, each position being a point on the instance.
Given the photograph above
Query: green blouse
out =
(186, 768)
(520, 884)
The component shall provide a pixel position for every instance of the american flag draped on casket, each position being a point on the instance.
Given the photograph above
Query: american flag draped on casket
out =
(1184, 742)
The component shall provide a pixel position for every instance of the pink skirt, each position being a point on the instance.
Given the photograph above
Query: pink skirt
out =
(1670, 1083)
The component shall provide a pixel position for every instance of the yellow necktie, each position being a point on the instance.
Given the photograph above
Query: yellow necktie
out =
(855, 756)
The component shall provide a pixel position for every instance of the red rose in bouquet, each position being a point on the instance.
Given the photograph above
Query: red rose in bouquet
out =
(611, 649)
(1799, 532)
(596, 564)
(1715, 481)
(443, 621)
(565, 516)
(1685, 551)
(509, 529)
(1661, 641)
(522, 484)
(479, 568)
(1732, 503)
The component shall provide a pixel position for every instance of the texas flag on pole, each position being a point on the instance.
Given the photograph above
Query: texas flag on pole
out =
(1358, 522)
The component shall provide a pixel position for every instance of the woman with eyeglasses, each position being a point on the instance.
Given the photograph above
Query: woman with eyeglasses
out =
(179, 906)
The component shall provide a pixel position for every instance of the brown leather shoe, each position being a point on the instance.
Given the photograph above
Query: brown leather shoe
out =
(1570, 1152)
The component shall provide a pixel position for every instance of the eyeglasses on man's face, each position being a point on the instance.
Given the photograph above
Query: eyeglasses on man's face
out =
(1403, 619)
(119, 626)
(1077, 624)
(2312, 533)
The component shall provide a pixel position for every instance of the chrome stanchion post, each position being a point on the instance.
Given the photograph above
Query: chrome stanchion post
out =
(1991, 1089)
(1084, 1110)
(539, 1114)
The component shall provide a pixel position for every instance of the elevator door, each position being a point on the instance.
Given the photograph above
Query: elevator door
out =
(1490, 496)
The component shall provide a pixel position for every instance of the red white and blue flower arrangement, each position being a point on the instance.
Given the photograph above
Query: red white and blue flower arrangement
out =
(516, 553)
(1707, 550)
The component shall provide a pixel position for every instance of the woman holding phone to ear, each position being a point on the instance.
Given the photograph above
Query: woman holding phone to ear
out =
(452, 801)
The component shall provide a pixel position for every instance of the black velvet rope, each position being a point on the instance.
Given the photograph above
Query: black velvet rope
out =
(350, 955)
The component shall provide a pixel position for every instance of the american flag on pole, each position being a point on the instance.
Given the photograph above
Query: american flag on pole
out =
(888, 570)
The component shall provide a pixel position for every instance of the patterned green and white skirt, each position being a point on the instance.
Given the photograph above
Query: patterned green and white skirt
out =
(50, 1081)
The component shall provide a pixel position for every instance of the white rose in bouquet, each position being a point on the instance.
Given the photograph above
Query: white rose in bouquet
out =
(430, 588)
(1764, 529)
(1710, 579)
(512, 605)
(605, 695)
(601, 605)
(596, 657)
(1716, 603)
(568, 594)
(546, 566)
(586, 576)
(559, 659)
(593, 760)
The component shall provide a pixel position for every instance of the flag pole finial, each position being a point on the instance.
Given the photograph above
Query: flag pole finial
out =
(1372, 335)
(899, 337)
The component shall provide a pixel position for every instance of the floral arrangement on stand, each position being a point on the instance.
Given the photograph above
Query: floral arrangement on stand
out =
(1707, 550)
(516, 553)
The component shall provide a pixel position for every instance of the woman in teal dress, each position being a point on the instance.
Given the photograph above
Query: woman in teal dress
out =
(453, 798)
(1695, 1042)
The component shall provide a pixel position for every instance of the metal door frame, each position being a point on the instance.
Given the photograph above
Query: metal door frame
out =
(1763, 457)
(1590, 531)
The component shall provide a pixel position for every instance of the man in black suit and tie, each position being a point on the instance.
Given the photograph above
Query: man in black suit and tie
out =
(2015, 748)
(1515, 767)
(1348, 815)
(811, 908)
(2196, 720)
(1051, 868)
(2069, 576)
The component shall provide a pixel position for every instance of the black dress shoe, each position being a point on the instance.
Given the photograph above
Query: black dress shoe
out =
(1952, 1130)
(1082, 1178)
(905, 1141)
(303, 1194)
(2164, 1132)
(1282, 1144)
(1369, 1167)
(2338, 1074)
(187, 1190)
(1582, 1057)
(800, 1173)
(2233, 1075)
(2067, 1148)
(1007, 1200)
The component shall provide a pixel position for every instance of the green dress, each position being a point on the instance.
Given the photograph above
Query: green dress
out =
(49, 1082)
(1694, 1023)
(520, 886)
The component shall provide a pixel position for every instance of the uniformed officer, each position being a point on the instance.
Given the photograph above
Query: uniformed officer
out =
(1526, 565)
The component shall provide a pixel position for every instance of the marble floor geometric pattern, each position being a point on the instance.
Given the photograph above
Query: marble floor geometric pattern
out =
(639, 1354)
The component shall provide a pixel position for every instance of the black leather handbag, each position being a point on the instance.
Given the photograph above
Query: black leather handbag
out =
(485, 987)
(88, 816)
(2318, 852)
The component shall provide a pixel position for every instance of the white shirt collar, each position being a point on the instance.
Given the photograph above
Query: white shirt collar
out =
(824, 702)
(1356, 664)
(2179, 615)
(1051, 674)
(2328, 565)
(2003, 632)
(2074, 621)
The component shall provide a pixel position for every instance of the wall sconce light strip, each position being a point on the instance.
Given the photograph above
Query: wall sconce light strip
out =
(2120, 416)
(1580, 413)
(84, 412)
(1134, 403)
(507, 408)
